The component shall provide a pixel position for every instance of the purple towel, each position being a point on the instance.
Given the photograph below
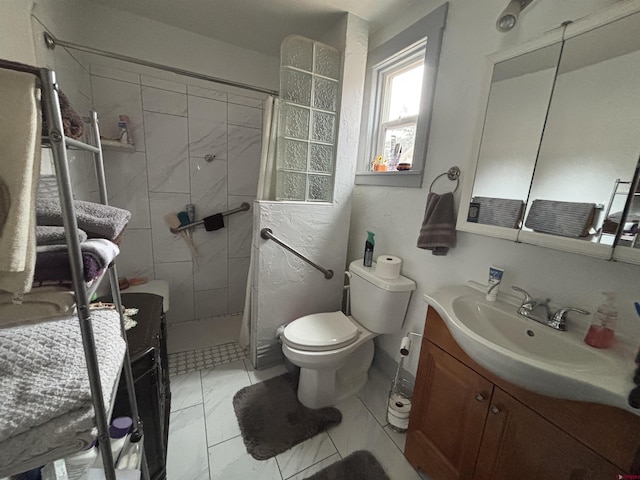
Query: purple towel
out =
(438, 231)
(52, 261)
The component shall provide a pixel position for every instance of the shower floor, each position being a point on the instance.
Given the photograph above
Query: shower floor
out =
(203, 333)
(182, 363)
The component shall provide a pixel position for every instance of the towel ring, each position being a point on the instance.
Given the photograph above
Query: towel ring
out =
(452, 174)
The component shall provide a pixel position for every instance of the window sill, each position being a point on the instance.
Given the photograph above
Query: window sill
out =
(390, 179)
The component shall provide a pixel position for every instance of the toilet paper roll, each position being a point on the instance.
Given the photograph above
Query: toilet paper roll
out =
(399, 404)
(405, 346)
(388, 266)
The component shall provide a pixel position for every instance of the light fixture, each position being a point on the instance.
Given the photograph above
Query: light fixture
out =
(509, 16)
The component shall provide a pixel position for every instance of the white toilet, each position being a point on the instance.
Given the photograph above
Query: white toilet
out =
(334, 352)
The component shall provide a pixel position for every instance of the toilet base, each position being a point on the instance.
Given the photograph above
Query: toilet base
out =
(327, 387)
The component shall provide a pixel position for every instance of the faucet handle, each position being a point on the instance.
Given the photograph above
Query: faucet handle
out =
(559, 319)
(527, 298)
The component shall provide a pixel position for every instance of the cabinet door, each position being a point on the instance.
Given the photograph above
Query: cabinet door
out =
(450, 405)
(519, 443)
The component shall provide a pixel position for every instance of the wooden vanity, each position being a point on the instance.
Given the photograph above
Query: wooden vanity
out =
(466, 423)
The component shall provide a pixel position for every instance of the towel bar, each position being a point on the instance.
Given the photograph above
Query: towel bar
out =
(244, 206)
(452, 174)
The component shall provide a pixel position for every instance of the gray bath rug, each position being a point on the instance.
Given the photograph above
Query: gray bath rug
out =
(272, 419)
(360, 465)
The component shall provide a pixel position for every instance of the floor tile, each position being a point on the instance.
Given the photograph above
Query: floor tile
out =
(219, 385)
(230, 460)
(187, 449)
(398, 438)
(305, 454)
(203, 333)
(359, 430)
(258, 376)
(186, 391)
(315, 468)
(375, 395)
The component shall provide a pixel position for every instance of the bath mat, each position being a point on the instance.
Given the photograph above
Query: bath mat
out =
(272, 419)
(360, 465)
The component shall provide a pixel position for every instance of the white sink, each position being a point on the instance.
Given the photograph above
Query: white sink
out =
(531, 355)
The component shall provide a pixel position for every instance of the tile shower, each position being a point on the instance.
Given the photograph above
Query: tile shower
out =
(174, 126)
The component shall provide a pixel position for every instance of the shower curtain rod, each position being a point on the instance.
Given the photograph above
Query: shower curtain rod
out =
(51, 42)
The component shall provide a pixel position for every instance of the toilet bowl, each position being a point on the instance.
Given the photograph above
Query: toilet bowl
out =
(335, 351)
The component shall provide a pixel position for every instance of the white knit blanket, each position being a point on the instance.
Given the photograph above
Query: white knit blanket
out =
(45, 399)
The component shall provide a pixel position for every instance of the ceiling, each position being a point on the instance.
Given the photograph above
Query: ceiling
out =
(260, 24)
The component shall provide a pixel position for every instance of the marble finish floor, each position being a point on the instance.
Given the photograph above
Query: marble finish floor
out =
(205, 441)
(203, 333)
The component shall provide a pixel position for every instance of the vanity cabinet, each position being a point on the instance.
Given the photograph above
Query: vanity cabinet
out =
(466, 423)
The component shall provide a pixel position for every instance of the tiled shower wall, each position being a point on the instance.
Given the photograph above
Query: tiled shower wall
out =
(174, 126)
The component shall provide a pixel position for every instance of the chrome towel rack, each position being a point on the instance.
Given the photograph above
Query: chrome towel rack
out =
(452, 174)
(267, 234)
(244, 206)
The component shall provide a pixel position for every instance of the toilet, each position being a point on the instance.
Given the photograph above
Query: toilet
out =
(335, 351)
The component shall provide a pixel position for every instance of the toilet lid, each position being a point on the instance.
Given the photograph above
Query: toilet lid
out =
(321, 331)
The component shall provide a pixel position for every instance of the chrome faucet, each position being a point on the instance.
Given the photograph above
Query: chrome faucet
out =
(559, 319)
(538, 309)
(534, 308)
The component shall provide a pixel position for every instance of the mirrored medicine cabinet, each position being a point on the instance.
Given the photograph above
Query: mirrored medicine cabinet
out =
(558, 151)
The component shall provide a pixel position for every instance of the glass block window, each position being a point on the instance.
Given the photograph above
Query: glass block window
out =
(307, 124)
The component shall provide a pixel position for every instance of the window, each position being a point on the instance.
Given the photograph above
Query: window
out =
(400, 83)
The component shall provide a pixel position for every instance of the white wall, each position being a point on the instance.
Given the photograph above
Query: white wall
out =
(108, 29)
(284, 286)
(395, 214)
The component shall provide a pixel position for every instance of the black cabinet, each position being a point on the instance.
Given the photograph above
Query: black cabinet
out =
(149, 363)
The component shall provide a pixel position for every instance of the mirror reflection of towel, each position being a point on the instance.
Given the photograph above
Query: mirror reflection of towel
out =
(501, 212)
(438, 231)
(567, 219)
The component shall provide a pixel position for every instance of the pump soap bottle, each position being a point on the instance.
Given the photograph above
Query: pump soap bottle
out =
(601, 332)
(368, 249)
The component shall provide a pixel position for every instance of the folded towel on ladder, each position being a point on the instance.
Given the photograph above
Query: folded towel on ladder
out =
(501, 212)
(438, 231)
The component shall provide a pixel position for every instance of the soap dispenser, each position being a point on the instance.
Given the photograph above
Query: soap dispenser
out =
(601, 332)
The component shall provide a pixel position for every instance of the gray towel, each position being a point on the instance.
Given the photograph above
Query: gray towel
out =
(99, 221)
(438, 231)
(47, 235)
(501, 212)
(567, 219)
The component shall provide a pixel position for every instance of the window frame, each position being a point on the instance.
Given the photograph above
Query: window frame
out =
(428, 32)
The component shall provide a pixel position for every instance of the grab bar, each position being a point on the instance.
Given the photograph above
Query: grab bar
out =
(244, 206)
(267, 234)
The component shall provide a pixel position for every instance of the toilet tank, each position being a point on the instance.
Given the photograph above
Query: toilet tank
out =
(378, 304)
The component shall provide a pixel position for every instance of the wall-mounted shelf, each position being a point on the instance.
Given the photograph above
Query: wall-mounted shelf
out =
(114, 145)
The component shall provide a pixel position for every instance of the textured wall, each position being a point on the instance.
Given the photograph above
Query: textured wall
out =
(286, 287)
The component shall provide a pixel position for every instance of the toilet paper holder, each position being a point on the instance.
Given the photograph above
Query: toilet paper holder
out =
(405, 344)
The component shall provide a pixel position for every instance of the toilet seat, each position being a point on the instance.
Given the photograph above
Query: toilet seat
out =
(320, 332)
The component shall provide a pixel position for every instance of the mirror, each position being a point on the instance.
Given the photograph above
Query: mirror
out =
(591, 140)
(561, 137)
(514, 121)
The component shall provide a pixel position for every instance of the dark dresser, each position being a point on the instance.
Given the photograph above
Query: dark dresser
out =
(149, 362)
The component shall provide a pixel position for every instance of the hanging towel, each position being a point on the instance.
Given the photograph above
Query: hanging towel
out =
(438, 231)
(20, 120)
(213, 222)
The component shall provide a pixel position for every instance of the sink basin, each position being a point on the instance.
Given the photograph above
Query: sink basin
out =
(531, 355)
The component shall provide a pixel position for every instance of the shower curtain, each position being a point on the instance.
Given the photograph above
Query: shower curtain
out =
(265, 192)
